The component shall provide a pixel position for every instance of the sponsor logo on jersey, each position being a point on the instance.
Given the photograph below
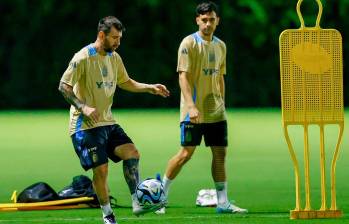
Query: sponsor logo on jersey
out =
(93, 149)
(105, 85)
(210, 71)
(189, 126)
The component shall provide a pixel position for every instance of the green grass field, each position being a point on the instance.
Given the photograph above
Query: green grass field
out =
(35, 146)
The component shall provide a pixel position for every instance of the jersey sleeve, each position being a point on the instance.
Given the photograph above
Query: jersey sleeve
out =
(121, 72)
(74, 71)
(184, 57)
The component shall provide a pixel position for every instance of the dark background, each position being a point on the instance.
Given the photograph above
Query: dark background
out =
(39, 37)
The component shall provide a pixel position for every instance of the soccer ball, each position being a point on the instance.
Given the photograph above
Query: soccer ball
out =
(150, 192)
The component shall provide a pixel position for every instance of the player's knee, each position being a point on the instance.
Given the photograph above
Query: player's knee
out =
(219, 153)
(184, 157)
(100, 172)
(130, 153)
(134, 154)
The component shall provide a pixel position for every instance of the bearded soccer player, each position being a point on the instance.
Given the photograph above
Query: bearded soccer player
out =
(89, 85)
(201, 67)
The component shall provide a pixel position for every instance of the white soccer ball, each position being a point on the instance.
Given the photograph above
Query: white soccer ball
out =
(150, 192)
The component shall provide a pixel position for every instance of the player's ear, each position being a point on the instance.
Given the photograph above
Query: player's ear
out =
(197, 19)
(101, 35)
(218, 19)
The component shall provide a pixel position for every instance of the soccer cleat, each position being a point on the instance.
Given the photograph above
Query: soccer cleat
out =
(161, 211)
(110, 219)
(230, 208)
(139, 209)
(158, 177)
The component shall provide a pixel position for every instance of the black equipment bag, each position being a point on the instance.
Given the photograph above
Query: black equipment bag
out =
(80, 187)
(37, 192)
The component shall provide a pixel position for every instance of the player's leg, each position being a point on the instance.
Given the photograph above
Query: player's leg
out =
(122, 148)
(215, 135)
(174, 166)
(100, 185)
(191, 135)
(130, 157)
(176, 163)
(219, 177)
(90, 146)
(219, 173)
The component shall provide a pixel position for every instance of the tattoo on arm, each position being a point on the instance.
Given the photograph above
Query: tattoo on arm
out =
(68, 93)
(131, 174)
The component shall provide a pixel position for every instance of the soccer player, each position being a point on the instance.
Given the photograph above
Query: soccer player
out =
(89, 84)
(201, 67)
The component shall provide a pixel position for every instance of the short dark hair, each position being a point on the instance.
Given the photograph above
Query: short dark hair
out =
(108, 22)
(206, 7)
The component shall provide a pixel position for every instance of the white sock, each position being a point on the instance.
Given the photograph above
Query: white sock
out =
(222, 196)
(134, 199)
(166, 183)
(106, 209)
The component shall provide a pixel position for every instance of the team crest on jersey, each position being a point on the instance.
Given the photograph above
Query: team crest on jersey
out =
(211, 57)
(105, 71)
(94, 157)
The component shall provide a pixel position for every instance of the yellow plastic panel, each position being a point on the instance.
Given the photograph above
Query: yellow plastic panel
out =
(311, 69)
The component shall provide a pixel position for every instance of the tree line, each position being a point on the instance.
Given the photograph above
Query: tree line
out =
(39, 37)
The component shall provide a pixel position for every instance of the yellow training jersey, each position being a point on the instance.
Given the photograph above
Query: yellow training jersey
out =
(205, 63)
(94, 79)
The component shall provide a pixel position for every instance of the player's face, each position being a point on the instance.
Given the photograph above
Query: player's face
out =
(207, 23)
(112, 40)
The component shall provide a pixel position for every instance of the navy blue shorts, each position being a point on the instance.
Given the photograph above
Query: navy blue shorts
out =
(94, 146)
(215, 134)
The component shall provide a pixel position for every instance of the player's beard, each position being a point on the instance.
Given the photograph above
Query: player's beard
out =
(207, 31)
(109, 49)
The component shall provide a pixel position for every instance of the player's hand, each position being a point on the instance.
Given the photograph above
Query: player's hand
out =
(194, 114)
(158, 89)
(91, 115)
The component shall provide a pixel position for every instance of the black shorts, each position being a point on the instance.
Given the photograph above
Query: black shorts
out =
(94, 146)
(215, 134)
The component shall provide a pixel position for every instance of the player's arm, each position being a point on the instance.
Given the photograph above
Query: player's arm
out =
(90, 113)
(223, 72)
(188, 97)
(137, 87)
(222, 87)
(68, 94)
